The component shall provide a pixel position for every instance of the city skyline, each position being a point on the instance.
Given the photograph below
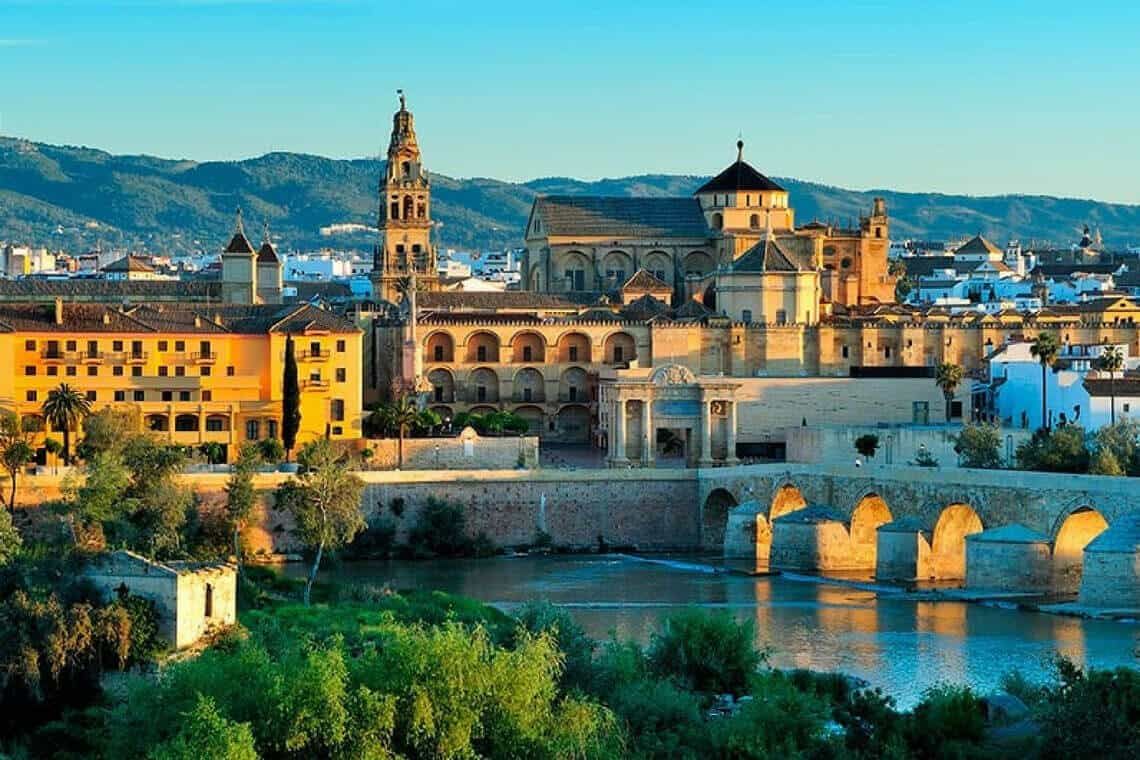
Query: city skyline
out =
(973, 100)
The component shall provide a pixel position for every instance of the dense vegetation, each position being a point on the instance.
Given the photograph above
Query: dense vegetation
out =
(368, 673)
(165, 205)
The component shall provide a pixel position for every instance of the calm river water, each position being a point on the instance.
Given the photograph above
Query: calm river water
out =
(900, 645)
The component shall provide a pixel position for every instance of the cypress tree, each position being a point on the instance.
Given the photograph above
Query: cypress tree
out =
(290, 399)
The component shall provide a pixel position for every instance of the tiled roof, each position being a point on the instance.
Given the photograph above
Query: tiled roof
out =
(644, 280)
(460, 300)
(767, 256)
(1069, 269)
(691, 309)
(101, 318)
(128, 264)
(239, 243)
(267, 254)
(922, 266)
(978, 244)
(645, 307)
(739, 176)
(621, 217)
(110, 291)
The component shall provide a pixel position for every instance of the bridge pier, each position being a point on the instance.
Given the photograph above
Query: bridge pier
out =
(1009, 559)
(902, 551)
(812, 539)
(1111, 577)
(748, 536)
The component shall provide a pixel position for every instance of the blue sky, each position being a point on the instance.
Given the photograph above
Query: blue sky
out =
(970, 97)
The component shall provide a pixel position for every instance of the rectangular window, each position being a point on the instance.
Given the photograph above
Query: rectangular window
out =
(136, 348)
(52, 370)
(528, 354)
(205, 372)
(439, 353)
(481, 393)
(180, 372)
(746, 316)
(1127, 408)
(29, 345)
(120, 395)
(252, 430)
(271, 428)
(168, 395)
(207, 395)
(71, 371)
(527, 394)
(163, 371)
(438, 391)
(845, 352)
(341, 375)
(481, 354)
(183, 395)
(573, 353)
(214, 424)
(314, 348)
(93, 371)
(30, 396)
(573, 393)
(955, 410)
(135, 371)
(116, 345)
(205, 350)
(92, 348)
(91, 395)
(117, 371)
(337, 430)
(71, 345)
(179, 345)
(781, 317)
(230, 371)
(337, 410)
(163, 345)
(340, 346)
(140, 395)
(619, 354)
(30, 370)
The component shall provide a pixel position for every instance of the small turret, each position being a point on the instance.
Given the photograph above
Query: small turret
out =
(270, 270)
(239, 267)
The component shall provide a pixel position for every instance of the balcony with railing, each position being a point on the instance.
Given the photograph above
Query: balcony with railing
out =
(204, 357)
(315, 384)
(56, 356)
(131, 357)
(91, 357)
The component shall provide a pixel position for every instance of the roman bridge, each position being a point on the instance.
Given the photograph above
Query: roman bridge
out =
(997, 530)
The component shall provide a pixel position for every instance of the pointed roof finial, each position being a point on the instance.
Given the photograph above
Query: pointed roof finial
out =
(403, 103)
(239, 226)
(740, 148)
(265, 233)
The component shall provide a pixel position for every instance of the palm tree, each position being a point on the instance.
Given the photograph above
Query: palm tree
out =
(1111, 361)
(64, 408)
(399, 416)
(1045, 347)
(948, 377)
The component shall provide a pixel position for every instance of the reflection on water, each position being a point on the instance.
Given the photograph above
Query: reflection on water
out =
(902, 646)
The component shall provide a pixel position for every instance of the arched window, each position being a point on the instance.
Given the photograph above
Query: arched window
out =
(406, 168)
(718, 221)
(408, 207)
(754, 221)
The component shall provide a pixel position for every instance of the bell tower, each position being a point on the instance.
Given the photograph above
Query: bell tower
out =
(405, 245)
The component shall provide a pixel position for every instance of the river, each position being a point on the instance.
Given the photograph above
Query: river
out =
(901, 645)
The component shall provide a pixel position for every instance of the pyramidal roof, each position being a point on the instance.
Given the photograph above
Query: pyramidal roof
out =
(644, 280)
(267, 254)
(978, 244)
(739, 176)
(766, 256)
(239, 243)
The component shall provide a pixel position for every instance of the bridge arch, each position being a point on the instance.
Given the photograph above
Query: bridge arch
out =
(714, 517)
(948, 547)
(787, 498)
(1074, 530)
(870, 512)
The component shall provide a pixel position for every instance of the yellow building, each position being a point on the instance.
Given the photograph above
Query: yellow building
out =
(196, 374)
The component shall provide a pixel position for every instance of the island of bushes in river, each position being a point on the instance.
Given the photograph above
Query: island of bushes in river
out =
(369, 673)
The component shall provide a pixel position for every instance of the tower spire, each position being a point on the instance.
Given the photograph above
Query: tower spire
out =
(239, 225)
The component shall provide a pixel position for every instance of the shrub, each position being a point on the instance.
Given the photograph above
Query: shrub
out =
(272, 450)
(577, 648)
(979, 446)
(867, 444)
(947, 721)
(440, 531)
(705, 652)
(780, 721)
(1062, 449)
(1094, 713)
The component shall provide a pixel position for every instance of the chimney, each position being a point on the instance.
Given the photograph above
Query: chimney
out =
(59, 311)
(197, 321)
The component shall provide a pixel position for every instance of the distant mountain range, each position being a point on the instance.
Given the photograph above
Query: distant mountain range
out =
(75, 198)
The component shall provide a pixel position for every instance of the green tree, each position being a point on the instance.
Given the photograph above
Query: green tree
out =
(1045, 348)
(15, 453)
(948, 377)
(1062, 449)
(398, 418)
(10, 540)
(867, 444)
(979, 446)
(206, 733)
(1104, 463)
(109, 429)
(1111, 361)
(272, 451)
(1122, 441)
(64, 408)
(290, 399)
(241, 497)
(54, 448)
(324, 500)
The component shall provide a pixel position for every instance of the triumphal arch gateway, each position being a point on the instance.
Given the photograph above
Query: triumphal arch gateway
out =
(669, 413)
